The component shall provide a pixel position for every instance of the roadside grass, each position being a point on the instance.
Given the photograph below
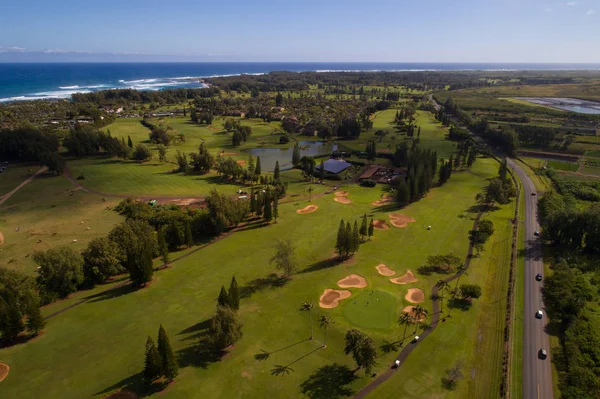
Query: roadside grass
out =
(46, 213)
(14, 175)
(541, 183)
(561, 165)
(97, 347)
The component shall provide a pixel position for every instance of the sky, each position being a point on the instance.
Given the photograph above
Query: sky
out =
(307, 30)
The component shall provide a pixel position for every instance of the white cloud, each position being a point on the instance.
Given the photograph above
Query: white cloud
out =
(548, 9)
(591, 12)
(572, 3)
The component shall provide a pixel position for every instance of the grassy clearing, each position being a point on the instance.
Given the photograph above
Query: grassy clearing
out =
(561, 165)
(101, 341)
(47, 212)
(15, 175)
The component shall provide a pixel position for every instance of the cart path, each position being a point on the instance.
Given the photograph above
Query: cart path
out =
(6, 196)
(406, 350)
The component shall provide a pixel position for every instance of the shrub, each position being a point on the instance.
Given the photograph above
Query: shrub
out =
(368, 183)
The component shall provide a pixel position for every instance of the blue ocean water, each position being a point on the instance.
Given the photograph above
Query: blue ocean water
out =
(21, 81)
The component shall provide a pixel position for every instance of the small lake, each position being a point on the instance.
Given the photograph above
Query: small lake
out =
(581, 110)
(268, 156)
(566, 104)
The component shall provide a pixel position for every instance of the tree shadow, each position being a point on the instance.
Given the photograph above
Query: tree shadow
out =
(253, 225)
(262, 283)
(20, 339)
(391, 207)
(329, 382)
(281, 370)
(195, 331)
(323, 264)
(460, 303)
(112, 293)
(388, 347)
(264, 355)
(426, 270)
(136, 384)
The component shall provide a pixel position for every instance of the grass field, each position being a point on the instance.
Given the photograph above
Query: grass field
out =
(97, 347)
(561, 165)
(15, 175)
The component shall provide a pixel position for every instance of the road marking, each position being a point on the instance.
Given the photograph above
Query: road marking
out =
(538, 391)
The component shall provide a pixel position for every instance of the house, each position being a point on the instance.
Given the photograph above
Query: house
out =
(368, 173)
(335, 166)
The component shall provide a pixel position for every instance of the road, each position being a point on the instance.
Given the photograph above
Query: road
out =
(537, 373)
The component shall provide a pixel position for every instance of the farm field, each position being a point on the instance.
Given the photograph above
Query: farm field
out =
(182, 298)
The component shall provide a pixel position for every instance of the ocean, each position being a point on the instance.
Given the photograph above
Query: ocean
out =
(60, 80)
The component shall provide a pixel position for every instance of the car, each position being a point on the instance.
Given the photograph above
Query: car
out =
(536, 233)
(532, 193)
(538, 277)
(542, 354)
(539, 314)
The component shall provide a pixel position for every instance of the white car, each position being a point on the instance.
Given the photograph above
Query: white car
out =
(539, 314)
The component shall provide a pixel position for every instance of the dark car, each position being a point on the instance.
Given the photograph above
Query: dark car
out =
(532, 193)
(538, 277)
(536, 233)
(543, 354)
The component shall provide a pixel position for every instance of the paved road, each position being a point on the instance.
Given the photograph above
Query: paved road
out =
(537, 373)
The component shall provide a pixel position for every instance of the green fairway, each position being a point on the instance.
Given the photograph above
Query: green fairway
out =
(370, 309)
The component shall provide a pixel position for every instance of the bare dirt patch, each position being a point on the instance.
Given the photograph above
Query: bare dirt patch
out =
(307, 209)
(245, 375)
(415, 295)
(380, 225)
(331, 298)
(407, 278)
(3, 371)
(182, 201)
(343, 200)
(399, 220)
(352, 281)
(383, 201)
(384, 270)
(411, 310)
(1, 238)
(241, 162)
(123, 394)
(341, 193)
(228, 154)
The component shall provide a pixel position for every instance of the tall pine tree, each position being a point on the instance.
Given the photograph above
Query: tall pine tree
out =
(35, 320)
(152, 362)
(349, 245)
(364, 227)
(340, 243)
(189, 239)
(163, 249)
(223, 298)
(129, 142)
(170, 368)
(371, 228)
(276, 171)
(234, 294)
(257, 170)
(355, 237)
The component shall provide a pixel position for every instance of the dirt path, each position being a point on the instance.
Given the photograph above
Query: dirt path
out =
(406, 350)
(1, 238)
(6, 196)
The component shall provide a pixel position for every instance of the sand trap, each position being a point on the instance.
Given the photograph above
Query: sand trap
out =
(331, 298)
(384, 270)
(400, 220)
(383, 201)
(343, 200)
(415, 295)
(1, 238)
(307, 209)
(341, 193)
(352, 281)
(3, 371)
(241, 162)
(380, 225)
(411, 311)
(408, 277)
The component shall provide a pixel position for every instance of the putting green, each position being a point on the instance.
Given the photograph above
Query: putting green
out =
(370, 309)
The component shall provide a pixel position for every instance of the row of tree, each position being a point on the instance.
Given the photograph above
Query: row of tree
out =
(160, 360)
(349, 238)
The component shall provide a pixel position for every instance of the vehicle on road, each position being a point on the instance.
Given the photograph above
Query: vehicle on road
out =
(396, 364)
(543, 354)
(539, 314)
(532, 193)
(536, 233)
(538, 277)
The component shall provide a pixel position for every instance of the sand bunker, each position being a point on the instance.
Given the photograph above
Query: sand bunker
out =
(307, 209)
(331, 298)
(241, 162)
(343, 200)
(400, 220)
(415, 295)
(384, 270)
(341, 193)
(3, 371)
(1, 238)
(380, 225)
(352, 281)
(408, 277)
(411, 311)
(383, 201)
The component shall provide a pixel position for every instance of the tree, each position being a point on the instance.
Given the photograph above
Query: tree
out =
(60, 270)
(402, 192)
(257, 170)
(234, 294)
(405, 320)
(182, 161)
(276, 171)
(355, 237)
(35, 320)
(142, 153)
(189, 239)
(442, 286)
(225, 328)
(223, 298)
(129, 142)
(371, 228)
(285, 257)
(152, 362)
(363, 227)
(296, 155)
(307, 307)
(325, 322)
(470, 291)
(11, 319)
(362, 348)
(139, 265)
(162, 152)
(418, 313)
(170, 369)
(276, 208)
(102, 259)
(460, 270)
(162, 246)
(268, 213)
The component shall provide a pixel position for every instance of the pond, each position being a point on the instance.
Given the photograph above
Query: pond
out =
(268, 156)
(566, 104)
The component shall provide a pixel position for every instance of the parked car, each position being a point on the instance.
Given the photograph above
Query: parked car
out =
(539, 314)
(538, 277)
(543, 354)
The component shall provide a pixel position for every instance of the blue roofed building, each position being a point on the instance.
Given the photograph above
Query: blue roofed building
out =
(335, 166)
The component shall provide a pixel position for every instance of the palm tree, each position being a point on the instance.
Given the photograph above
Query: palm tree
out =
(307, 307)
(404, 320)
(460, 270)
(418, 313)
(442, 287)
(325, 322)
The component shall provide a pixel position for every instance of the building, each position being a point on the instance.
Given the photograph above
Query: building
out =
(335, 166)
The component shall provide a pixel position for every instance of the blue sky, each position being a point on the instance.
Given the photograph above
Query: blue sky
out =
(307, 30)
